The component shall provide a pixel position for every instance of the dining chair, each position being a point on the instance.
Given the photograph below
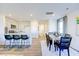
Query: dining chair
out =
(48, 41)
(8, 38)
(64, 44)
(67, 35)
(56, 43)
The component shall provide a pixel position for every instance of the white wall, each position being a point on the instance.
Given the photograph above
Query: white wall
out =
(2, 25)
(9, 21)
(24, 26)
(34, 28)
(71, 28)
(21, 26)
(52, 25)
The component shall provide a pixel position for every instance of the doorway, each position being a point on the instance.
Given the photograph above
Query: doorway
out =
(42, 29)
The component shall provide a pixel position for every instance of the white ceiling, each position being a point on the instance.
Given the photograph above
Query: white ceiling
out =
(22, 11)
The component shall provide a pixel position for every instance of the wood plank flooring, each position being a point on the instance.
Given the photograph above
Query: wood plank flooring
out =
(33, 50)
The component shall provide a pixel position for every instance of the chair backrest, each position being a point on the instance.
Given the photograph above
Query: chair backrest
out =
(56, 34)
(8, 37)
(67, 35)
(65, 42)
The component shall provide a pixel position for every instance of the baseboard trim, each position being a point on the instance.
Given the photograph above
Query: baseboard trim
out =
(75, 49)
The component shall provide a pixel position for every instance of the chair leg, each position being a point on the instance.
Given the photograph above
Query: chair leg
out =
(68, 52)
(59, 52)
(55, 47)
(49, 47)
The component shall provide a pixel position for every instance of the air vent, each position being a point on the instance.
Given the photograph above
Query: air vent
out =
(49, 13)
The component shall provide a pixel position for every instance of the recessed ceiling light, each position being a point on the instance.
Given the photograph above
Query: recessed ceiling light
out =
(31, 15)
(49, 13)
(53, 14)
(10, 15)
(67, 8)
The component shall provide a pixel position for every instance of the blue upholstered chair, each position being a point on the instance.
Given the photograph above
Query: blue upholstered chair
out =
(64, 44)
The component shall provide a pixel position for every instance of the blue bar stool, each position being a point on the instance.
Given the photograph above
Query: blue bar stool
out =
(16, 39)
(8, 38)
(24, 38)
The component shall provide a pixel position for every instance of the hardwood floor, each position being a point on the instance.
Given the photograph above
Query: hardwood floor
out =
(34, 50)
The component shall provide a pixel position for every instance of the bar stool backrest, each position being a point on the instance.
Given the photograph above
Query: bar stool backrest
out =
(8, 37)
(24, 37)
(16, 37)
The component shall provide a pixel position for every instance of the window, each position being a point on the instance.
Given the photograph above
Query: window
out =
(60, 27)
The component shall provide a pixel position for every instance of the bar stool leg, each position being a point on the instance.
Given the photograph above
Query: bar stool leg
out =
(21, 43)
(5, 44)
(14, 43)
(10, 44)
(24, 42)
(17, 44)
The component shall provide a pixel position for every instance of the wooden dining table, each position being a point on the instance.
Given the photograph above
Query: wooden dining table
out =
(54, 39)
